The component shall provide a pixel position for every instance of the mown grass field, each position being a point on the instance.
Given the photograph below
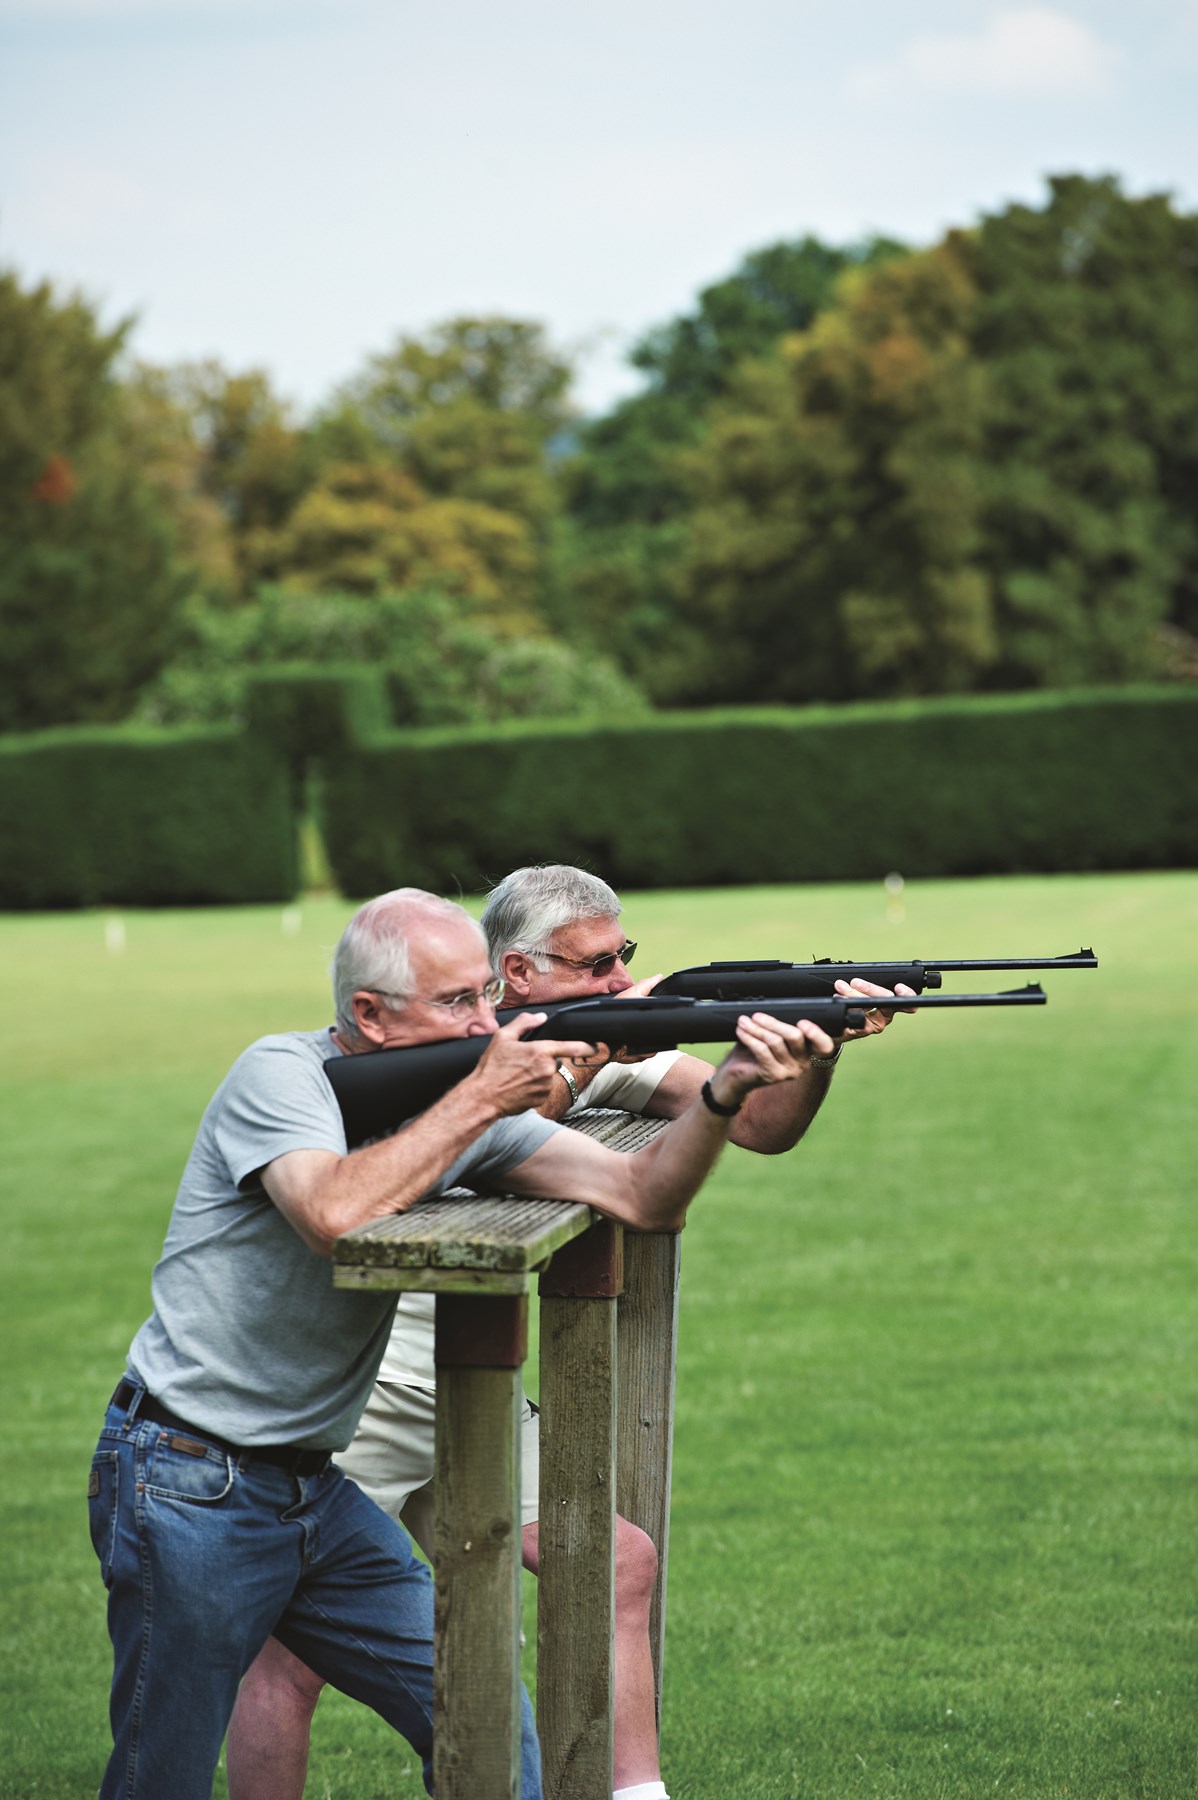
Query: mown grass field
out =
(934, 1485)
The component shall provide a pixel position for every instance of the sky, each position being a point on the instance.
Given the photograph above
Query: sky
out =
(293, 184)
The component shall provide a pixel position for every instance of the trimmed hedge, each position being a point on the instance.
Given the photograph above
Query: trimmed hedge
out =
(129, 815)
(310, 709)
(1088, 779)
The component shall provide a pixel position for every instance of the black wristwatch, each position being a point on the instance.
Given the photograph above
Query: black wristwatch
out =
(712, 1104)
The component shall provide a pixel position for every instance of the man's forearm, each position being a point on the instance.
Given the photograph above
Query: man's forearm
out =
(774, 1118)
(325, 1195)
(668, 1173)
(647, 1190)
(398, 1171)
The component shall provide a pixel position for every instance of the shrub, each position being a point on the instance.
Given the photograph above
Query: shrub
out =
(444, 665)
(1084, 780)
(130, 816)
(309, 709)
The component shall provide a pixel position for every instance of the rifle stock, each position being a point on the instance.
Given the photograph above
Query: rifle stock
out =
(380, 1090)
(743, 980)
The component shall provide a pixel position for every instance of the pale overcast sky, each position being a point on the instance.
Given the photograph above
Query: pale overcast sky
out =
(289, 184)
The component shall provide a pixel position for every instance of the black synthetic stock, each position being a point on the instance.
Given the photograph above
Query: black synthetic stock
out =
(745, 980)
(381, 1089)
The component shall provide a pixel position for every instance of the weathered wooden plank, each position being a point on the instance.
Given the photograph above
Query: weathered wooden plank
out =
(618, 1130)
(647, 1346)
(476, 1748)
(371, 1277)
(472, 1232)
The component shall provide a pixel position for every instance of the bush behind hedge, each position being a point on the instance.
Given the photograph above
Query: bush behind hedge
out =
(130, 815)
(445, 664)
(307, 709)
(1097, 779)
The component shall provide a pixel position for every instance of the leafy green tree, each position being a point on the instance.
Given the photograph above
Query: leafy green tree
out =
(501, 364)
(365, 528)
(614, 572)
(467, 411)
(625, 469)
(56, 393)
(833, 545)
(1087, 324)
(436, 468)
(974, 469)
(91, 575)
(231, 460)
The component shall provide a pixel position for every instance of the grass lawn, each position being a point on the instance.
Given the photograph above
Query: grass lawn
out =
(934, 1485)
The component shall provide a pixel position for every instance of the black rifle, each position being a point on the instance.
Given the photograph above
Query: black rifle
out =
(381, 1089)
(747, 980)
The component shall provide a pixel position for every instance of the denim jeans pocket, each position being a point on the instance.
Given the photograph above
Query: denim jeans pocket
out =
(102, 1492)
(186, 1469)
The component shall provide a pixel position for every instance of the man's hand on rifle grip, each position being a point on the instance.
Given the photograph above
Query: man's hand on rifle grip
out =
(876, 1018)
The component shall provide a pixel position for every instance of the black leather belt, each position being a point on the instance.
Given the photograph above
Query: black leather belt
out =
(283, 1456)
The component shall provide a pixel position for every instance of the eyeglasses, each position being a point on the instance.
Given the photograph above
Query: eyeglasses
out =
(599, 966)
(462, 1005)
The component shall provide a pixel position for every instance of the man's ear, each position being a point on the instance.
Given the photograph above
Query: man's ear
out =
(517, 972)
(370, 1017)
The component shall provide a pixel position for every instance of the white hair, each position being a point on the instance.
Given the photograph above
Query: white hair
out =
(529, 905)
(375, 950)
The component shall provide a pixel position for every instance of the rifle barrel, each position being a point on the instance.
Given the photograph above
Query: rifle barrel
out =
(1081, 959)
(740, 980)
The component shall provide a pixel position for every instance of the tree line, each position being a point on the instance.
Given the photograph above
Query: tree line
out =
(850, 471)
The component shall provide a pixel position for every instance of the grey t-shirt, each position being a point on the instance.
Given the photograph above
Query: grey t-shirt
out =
(248, 1337)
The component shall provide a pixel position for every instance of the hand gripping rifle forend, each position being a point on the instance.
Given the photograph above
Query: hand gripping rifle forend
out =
(380, 1090)
(742, 980)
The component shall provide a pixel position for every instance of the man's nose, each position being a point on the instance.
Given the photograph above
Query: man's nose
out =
(619, 981)
(482, 1020)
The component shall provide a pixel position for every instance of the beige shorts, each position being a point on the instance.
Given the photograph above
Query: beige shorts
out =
(391, 1457)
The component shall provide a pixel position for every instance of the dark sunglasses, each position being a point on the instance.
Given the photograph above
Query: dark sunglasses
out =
(599, 966)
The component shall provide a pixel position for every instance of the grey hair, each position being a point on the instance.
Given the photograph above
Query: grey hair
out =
(529, 905)
(375, 950)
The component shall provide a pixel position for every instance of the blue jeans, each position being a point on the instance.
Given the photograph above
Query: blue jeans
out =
(205, 1555)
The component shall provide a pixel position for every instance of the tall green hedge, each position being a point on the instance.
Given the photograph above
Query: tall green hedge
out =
(134, 816)
(1097, 779)
(311, 709)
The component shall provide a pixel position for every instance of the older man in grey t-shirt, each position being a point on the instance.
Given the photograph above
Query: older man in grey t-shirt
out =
(552, 931)
(216, 1511)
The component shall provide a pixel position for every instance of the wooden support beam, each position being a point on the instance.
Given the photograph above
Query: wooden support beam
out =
(481, 1343)
(646, 1354)
(477, 1255)
(576, 1590)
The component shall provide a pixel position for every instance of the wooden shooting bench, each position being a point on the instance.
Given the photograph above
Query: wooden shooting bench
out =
(609, 1309)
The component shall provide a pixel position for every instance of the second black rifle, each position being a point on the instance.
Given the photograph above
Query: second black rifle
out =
(741, 980)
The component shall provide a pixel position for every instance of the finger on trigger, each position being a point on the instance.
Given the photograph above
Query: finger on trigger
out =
(574, 1051)
(522, 1024)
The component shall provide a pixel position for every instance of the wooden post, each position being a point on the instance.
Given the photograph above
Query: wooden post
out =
(482, 1341)
(646, 1353)
(476, 1254)
(576, 1590)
